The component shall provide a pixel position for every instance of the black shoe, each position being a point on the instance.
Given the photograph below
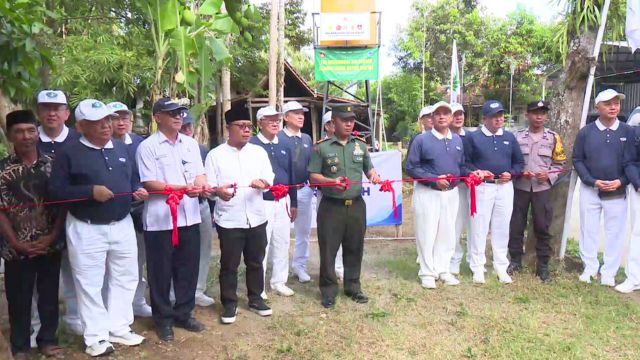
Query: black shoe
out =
(543, 273)
(328, 302)
(165, 333)
(514, 267)
(229, 314)
(260, 307)
(190, 324)
(359, 297)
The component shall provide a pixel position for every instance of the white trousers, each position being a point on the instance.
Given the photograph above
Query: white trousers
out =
(94, 250)
(435, 212)
(632, 270)
(494, 205)
(462, 225)
(206, 237)
(615, 220)
(302, 228)
(138, 298)
(278, 229)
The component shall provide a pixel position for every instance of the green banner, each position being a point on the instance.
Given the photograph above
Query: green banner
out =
(346, 64)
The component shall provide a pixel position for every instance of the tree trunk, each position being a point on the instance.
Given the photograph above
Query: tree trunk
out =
(226, 95)
(566, 111)
(273, 52)
(281, 24)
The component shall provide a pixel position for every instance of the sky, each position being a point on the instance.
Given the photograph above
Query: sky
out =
(396, 12)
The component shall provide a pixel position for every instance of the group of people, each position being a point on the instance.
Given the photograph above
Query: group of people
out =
(91, 206)
(516, 172)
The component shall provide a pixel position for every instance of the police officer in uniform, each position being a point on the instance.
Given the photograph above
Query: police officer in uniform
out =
(341, 160)
(543, 152)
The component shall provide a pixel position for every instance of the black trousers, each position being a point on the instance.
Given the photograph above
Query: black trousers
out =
(541, 214)
(234, 243)
(339, 224)
(166, 263)
(19, 279)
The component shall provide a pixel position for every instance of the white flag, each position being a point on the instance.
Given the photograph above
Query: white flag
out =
(455, 74)
(633, 24)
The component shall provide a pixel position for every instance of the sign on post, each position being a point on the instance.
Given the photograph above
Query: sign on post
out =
(332, 64)
(344, 27)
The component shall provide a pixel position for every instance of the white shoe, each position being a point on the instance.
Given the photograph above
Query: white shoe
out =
(129, 339)
(142, 310)
(627, 287)
(203, 300)
(302, 275)
(607, 281)
(449, 279)
(478, 277)
(504, 278)
(429, 283)
(283, 290)
(74, 328)
(585, 277)
(100, 348)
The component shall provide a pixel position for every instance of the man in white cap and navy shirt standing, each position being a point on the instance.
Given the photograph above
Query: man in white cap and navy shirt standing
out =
(100, 233)
(495, 156)
(436, 154)
(301, 148)
(601, 152)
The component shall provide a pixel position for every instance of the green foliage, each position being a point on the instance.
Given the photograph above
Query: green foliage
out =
(22, 26)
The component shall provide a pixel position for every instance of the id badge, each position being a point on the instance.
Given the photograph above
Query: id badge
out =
(189, 178)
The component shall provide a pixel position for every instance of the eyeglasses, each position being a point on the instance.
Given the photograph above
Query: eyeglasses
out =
(244, 126)
(271, 121)
(122, 119)
(174, 113)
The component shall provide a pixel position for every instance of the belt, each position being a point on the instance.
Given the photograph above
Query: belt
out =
(344, 202)
(495, 181)
(436, 188)
(91, 222)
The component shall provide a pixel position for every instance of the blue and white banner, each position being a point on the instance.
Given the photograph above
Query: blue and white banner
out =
(379, 204)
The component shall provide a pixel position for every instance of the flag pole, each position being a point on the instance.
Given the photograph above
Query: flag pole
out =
(583, 121)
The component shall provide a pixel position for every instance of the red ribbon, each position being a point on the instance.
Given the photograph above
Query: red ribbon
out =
(472, 180)
(387, 186)
(173, 200)
(280, 191)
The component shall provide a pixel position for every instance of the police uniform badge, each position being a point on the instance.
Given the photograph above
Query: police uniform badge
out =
(334, 169)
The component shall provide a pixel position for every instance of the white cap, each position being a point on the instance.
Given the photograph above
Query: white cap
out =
(455, 107)
(293, 105)
(92, 110)
(326, 117)
(267, 111)
(118, 106)
(634, 120)
(52, 97)
(607, 95)
(427, 110)
(440, 104)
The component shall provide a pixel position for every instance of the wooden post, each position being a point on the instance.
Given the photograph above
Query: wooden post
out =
(273, 52)
(314, 123)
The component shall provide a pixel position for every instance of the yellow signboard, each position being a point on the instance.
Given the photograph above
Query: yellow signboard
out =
(357, 7)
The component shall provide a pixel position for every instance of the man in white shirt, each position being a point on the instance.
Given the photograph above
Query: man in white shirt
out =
(170, 159)
(240, 172)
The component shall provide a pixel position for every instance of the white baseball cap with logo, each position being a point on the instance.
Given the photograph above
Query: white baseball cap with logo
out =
(267, 111)
(427, 110)
(455, 107)
(326, 117)
(118, 106)
(52, 97)
(93, 110)
(441, 104)
(607, 95)
(293, 105)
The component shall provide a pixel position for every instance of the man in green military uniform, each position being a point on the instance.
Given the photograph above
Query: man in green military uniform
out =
(340, 161)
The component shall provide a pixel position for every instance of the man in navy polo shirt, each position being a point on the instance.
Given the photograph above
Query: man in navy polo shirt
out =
(278, 220)
(601, 152)
(495, 155)
(437, 153)
(100, 231)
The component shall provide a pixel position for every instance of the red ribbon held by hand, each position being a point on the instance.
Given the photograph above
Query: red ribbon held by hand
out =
(472, 180)
(173, 200)
(387, 186)
(280, 191)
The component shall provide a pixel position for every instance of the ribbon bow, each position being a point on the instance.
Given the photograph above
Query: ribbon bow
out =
(387, 186)
(472, 180)
(279, 191)
(173, 200)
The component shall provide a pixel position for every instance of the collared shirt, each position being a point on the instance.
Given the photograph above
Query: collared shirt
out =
(229, 165)
(51, 146)
(333, 159)
(176, 163)
(301, 146)
(497, 152)
(21, 184)
(432, 155)
(84, 165)
(281, 164)
(541, 154)
(601, 153)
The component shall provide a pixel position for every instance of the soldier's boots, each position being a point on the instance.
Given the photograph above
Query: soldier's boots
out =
(515, 266)
(542, 271)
